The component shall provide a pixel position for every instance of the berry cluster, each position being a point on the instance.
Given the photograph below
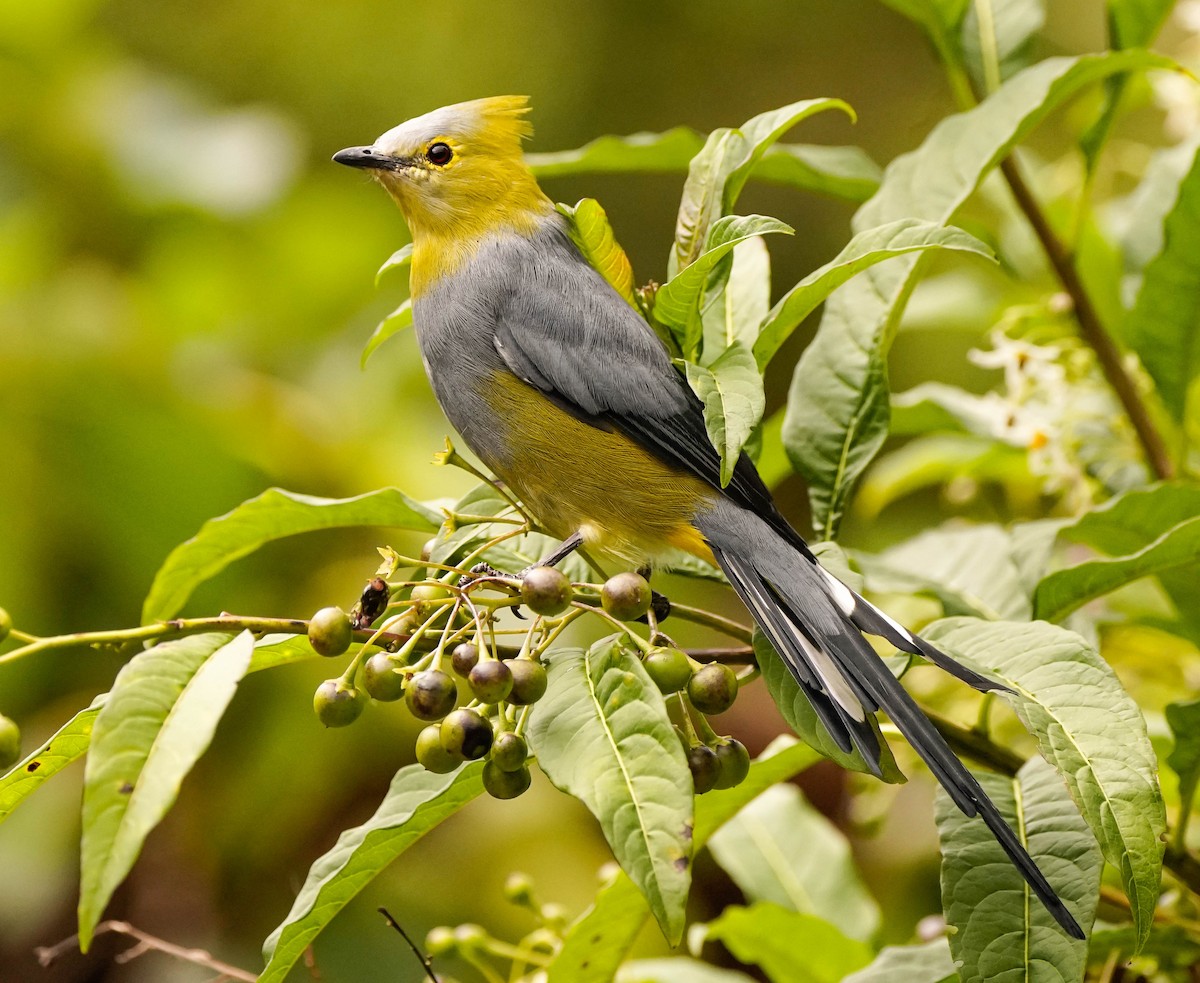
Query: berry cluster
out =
(441, 656)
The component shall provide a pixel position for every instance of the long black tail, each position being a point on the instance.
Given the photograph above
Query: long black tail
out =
(815, 624)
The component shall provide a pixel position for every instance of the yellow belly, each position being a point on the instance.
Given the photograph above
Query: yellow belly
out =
(576, 477)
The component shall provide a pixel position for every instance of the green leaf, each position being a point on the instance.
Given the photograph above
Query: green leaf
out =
(400, 259)
(867, 248)
(941, 20)
(974, 564)
(1184, 759)
(1138, 220)
(1088, 727)
(996, 38)
(416, 802)
(935, 16)
(742, 303)
(157, 721)
(602, 734)
(1164, 325)
(272, 515)
(1152, 530)
(677, 970)
(790, 947)
(934, 461)
(593, 235)
(926, 962)
(780, 849)
(841, 172)
(677, 303)
(801, 717)
(844, 172)
(1134, 23)
(275, 650)
(72, 740)
(999, 929)
(732, 393)
(596, 943)
(667, 152)
(69, 743)
(400, 319)
(837, 416)
(718, 172)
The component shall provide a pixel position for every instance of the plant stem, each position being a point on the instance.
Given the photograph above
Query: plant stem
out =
(46, 955)
(701, 617)
(1090, 326)
(739, 656)
(973, 744)
(178, 627)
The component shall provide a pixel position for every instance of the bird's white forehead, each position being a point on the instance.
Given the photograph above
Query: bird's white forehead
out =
(453, 121)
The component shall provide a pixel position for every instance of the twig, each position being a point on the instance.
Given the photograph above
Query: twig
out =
(701, 617)
(741, 655)
(46, 955)
(181, 626)
(975, 745)
(421, 957)
(1090, 326)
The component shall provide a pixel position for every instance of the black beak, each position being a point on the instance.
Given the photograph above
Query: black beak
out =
(367, 157)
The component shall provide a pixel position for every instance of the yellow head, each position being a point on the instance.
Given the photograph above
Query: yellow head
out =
(457, 173)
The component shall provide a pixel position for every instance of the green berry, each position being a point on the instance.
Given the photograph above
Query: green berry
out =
(427, 597)
(440, 941)
(501, 784)
(546, 591)
(431, 754)
(712, 688)
(490, 681)
(329, 632)
(10, 743)
(509, 751)
(5, 624)
(626, 596)
(704, 766)
(427, 549)
(464, 658)
(529, 681)
(470, 936)
(518, 888)
(381, 680)
(466, 734)
(337, 704)
(734, 760)
(430, 695)
(670, 668)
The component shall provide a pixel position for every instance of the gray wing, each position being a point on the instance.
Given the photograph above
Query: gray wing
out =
(563, 330)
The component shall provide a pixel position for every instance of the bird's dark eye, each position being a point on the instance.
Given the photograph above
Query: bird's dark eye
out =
(439, 154)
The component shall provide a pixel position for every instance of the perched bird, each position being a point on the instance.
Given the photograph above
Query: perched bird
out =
(566, 393)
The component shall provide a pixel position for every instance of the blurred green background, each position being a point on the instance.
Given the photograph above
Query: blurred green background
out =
(185, 287)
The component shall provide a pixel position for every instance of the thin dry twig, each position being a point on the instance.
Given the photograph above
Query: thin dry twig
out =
(421, 957)
(46, 955)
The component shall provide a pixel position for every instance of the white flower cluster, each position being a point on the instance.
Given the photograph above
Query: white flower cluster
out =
(1178, 95)
(1056, 407)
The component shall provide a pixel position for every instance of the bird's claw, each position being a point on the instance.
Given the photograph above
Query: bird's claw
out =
(481, 571)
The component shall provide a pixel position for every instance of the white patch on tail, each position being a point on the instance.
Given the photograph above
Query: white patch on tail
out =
(835, 685)
(843, 597)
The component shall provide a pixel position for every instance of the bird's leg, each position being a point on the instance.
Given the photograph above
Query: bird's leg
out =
(565, 549)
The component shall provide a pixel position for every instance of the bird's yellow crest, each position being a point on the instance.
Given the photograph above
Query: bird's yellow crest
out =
(458, 175)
